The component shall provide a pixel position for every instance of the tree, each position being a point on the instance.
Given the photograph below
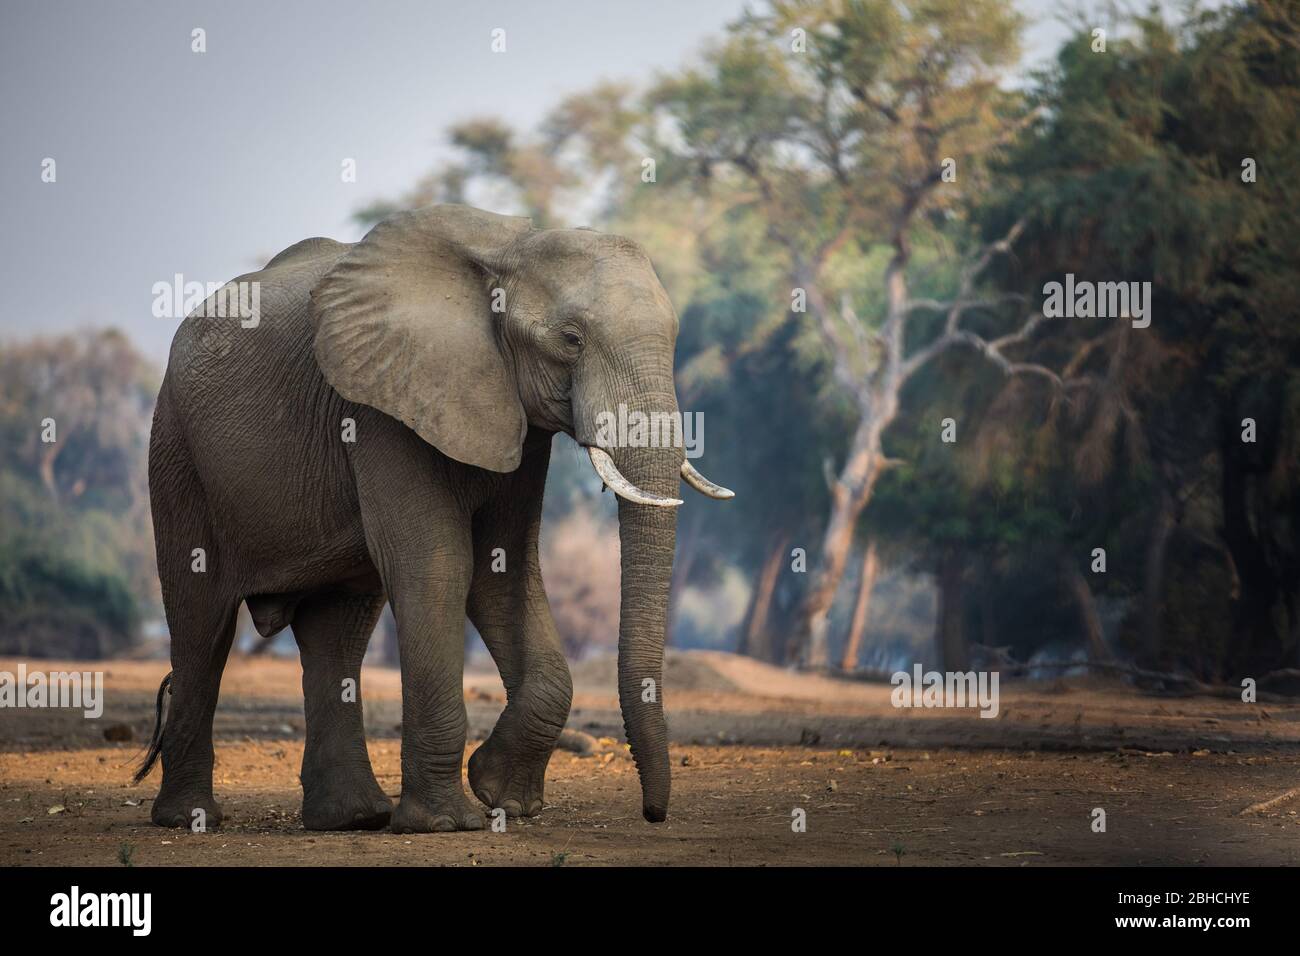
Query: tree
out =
(1146, 165)
(881, 126)
(76, 549)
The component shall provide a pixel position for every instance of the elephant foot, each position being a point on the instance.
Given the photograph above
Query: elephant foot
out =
(345, 805)
(186, 811)
(503, 779)
(443, 814)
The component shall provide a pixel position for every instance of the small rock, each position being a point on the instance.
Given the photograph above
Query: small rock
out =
(575, 741)
(119, 733)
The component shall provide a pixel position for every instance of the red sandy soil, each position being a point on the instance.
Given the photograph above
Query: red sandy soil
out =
(751, 745)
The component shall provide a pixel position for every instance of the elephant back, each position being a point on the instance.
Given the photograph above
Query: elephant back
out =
(209, 348)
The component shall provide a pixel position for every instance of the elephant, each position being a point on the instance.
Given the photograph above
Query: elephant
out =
(381, 431)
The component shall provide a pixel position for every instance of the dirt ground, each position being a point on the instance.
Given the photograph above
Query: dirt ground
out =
(753, 748)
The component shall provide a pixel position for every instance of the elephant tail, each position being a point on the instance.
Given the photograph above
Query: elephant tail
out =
(155, 742)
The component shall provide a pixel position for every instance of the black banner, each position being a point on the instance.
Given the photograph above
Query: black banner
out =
(131, 905)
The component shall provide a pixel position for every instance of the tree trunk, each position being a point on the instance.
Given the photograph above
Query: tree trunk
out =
(1154, 577)
(849, 496)
(755, 638)
(1293, 614)
(46, 467)
(1086, 604)
(950, 636)
(858, 626)
(988, 613)
(1256, 646)
(851, 492)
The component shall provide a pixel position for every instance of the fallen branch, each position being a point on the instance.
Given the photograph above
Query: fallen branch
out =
(1267, 805)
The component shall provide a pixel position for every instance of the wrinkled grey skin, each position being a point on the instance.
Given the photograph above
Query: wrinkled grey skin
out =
(454, 409)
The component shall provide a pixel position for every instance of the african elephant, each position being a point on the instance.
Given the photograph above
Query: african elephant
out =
(380, 430)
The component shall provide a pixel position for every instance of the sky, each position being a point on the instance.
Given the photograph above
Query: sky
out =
(206, 164)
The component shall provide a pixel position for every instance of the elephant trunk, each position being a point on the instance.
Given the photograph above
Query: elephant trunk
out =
(647, 538)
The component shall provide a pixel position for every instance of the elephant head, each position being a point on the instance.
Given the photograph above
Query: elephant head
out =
(469, 327)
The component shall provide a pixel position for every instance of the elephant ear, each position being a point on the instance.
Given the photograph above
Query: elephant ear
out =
(404, 324)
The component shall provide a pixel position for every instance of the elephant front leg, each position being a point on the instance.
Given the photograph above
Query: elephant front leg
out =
(431, 638)
(417, 529)
(507, 604)
(509, 770)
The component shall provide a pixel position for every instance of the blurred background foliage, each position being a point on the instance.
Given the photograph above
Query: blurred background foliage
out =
(822, 170)
(77, 572)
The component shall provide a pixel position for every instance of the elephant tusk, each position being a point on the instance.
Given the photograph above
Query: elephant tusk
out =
(614, 479)
(703, 485)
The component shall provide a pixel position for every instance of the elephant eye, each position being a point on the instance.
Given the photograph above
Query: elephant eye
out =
(573, 338)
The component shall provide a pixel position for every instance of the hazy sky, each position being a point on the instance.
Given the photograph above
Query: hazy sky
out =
(206, 164)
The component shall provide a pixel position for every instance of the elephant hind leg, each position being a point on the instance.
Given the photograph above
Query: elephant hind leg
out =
(201, 638)
(339, 788)
(201, 604)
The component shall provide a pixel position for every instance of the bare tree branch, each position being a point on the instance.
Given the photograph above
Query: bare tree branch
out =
(990, 350)
(975, 270)
(842, 351)
(953, 335)
(942, 305)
